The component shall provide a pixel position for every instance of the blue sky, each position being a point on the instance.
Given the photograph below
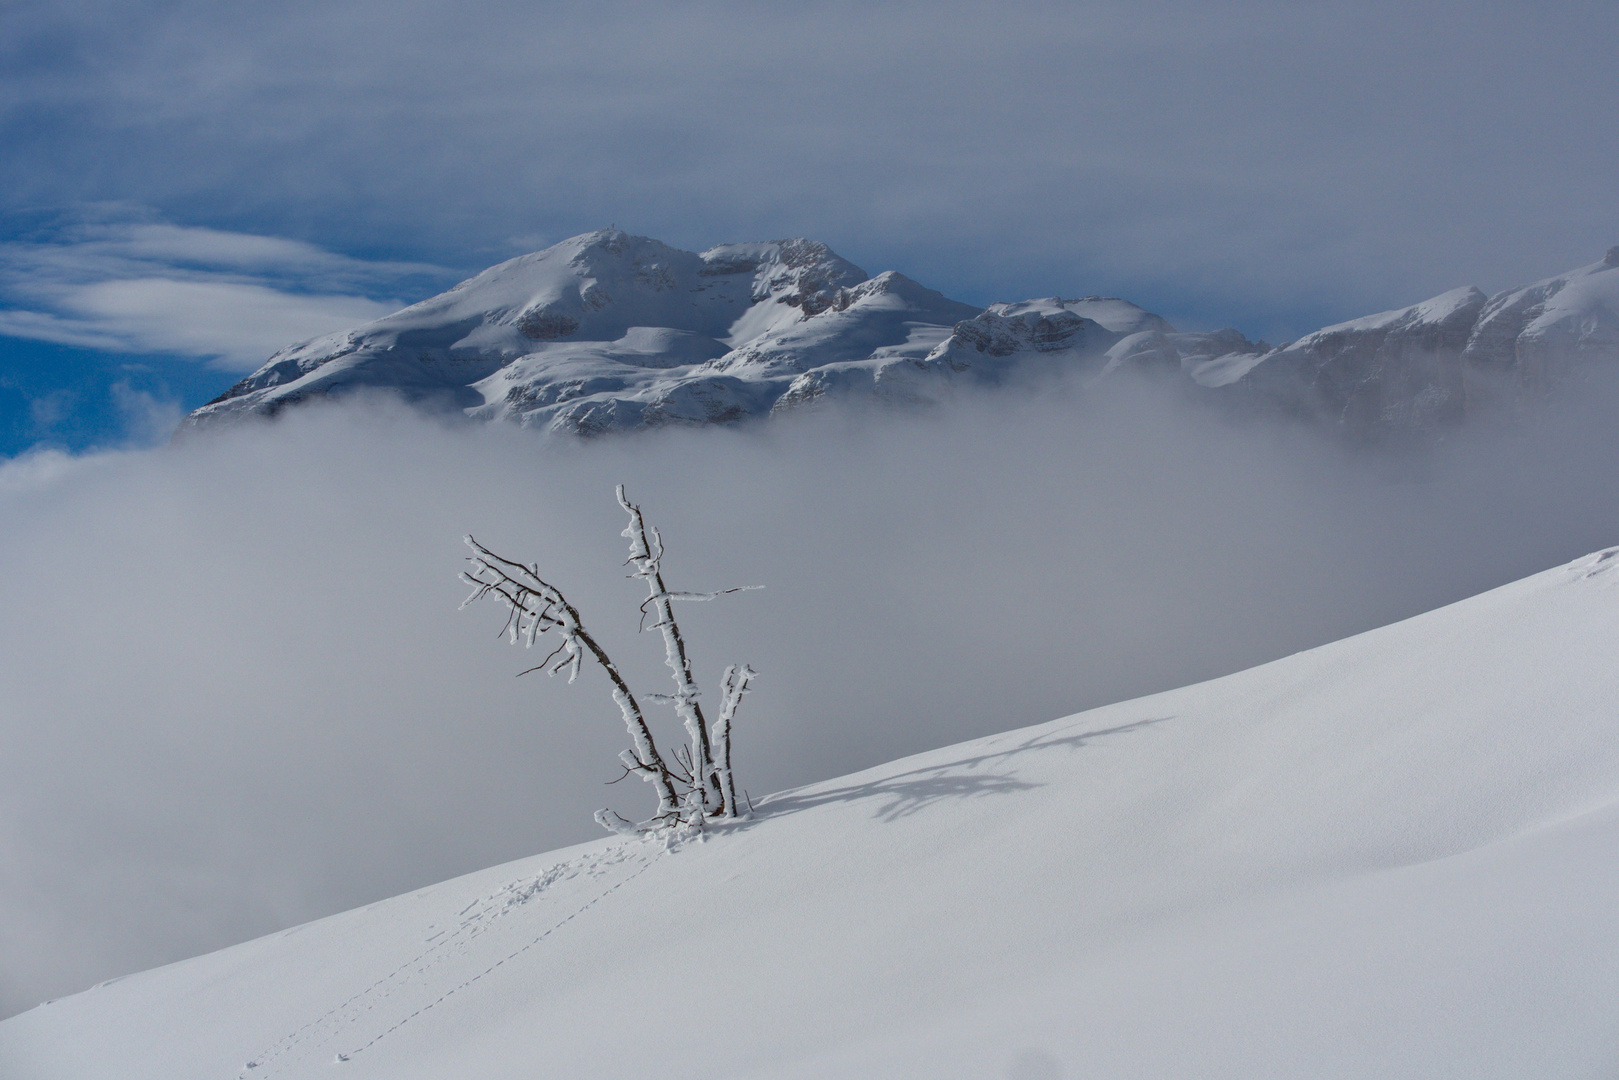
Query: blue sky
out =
(185, 187)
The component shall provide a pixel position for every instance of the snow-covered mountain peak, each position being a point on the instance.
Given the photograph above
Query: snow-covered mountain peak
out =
(870, 324)
(1109, 312)
(800, 273)
(611, 330)
(1096, 335)
(790, 280)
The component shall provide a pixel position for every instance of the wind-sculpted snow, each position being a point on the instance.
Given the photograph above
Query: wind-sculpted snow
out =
(1388, 857)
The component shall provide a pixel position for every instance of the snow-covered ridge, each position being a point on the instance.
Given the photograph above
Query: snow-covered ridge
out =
(608, 331)
(1389, 857)
(1448, 356)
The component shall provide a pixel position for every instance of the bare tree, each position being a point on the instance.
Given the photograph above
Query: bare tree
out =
(698, 784)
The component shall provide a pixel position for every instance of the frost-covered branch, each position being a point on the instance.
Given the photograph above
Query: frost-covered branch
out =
(648, 602)
(732, 687)
(646, 555)
(534, 607)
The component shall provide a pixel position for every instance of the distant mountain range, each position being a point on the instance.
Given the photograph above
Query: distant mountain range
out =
(608, 331)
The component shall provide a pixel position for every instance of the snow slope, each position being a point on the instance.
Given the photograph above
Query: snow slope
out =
(1392, 856)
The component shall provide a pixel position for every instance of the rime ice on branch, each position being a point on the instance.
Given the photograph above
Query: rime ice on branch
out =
(732, 687)
(698, 785)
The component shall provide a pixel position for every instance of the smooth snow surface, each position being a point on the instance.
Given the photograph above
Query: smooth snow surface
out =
(1392, 856)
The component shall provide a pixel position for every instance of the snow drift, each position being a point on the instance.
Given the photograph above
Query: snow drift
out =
(1390, 856)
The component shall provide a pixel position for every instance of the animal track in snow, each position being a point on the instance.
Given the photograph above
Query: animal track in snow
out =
(457, 954)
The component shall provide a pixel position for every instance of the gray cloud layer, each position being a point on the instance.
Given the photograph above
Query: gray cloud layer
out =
(235, 691)
(1275, 165)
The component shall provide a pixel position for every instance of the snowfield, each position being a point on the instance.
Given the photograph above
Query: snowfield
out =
(1391, 856)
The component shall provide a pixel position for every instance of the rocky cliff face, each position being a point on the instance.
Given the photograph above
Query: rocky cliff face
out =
(1398, 368)
(1092, 336)
(609, 331)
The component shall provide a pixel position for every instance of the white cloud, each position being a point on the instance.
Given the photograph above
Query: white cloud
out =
(122, 248)
(239, 324)
(152, 287)
(148, 419)
(44, 326)
(44, 467)
(48, 409)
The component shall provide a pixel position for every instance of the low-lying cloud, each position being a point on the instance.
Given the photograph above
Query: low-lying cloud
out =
(236, 692)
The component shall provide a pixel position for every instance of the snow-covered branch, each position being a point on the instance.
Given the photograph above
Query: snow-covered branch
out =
(646, 555)
(732, 686)
(697, 785)
(534, 607)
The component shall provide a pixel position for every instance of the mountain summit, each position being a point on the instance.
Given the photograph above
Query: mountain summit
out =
(609, 330)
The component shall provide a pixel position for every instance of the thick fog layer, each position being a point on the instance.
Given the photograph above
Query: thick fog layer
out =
(236, 692)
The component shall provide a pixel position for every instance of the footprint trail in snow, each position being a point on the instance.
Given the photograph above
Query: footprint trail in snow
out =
(492, 934)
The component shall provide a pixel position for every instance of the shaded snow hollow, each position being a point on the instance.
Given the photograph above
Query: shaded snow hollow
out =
(1391, 856)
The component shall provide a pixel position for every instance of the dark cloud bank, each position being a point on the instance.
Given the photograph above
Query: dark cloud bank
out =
(1269, 165)
(235, 691)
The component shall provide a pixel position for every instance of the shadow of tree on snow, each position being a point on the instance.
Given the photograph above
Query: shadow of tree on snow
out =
(908, 792)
